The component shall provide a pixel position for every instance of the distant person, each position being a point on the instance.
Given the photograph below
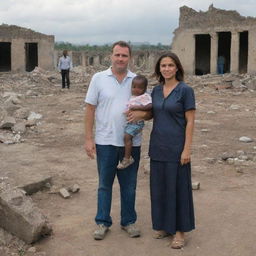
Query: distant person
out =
(221, 64)
(140, 100)
(106, 99)
(64, 66)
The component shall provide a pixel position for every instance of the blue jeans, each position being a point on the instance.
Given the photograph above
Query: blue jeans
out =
(108, 157)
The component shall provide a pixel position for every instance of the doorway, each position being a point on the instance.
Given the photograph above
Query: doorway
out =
(31, 56)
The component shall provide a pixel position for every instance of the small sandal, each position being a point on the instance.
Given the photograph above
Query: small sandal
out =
(160, 234)
(177, 243)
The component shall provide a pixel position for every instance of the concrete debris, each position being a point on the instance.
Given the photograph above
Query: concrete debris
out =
(196, 185)
(20, 217)
(36, 184)
(245, 139)
(8, 122)
(74, 189)
(7, 138)
(19, 128)
(64, 193)
(34, 116)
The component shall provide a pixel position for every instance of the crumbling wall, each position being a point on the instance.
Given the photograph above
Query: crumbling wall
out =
(212, 22)
(18, 37)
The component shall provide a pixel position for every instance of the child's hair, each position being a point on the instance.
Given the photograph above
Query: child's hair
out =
(143, 80)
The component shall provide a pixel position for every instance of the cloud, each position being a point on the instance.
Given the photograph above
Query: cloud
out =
(101, 21)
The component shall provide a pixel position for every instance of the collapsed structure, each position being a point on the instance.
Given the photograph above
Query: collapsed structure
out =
(205, 39)
(23, 49)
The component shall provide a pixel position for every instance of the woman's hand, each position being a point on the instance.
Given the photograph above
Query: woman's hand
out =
(185, 157)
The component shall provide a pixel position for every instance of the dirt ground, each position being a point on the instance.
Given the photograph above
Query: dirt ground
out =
(225, 205)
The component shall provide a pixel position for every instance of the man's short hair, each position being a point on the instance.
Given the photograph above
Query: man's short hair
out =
(122, 44)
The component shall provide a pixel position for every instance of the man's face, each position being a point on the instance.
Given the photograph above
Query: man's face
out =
(120, 59)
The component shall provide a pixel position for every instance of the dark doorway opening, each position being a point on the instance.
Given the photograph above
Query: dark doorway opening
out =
(5, 56)
(31, 56)
(243, 52)
(91, 61)
(224, 46)
(202, 54)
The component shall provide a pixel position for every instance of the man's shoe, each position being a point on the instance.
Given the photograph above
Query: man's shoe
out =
(100, 232)
(132, 230)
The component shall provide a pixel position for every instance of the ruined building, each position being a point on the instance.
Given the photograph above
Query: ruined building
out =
(205, 39)
(22, 49)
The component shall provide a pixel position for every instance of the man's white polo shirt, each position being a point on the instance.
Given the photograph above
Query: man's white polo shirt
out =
(110, 98)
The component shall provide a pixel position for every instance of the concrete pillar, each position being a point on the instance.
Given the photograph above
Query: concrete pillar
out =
(234, 52)
(251, 51)
(84, 60)
(214, 53)
(18, 55)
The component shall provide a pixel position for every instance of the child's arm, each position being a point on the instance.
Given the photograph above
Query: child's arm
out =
(141, 107)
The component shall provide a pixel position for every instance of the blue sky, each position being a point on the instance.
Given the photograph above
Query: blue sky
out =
(101, 21)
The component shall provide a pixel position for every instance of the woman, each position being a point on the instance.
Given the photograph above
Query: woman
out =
(170, 145)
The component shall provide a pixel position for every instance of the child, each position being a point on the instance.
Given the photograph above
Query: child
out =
(140, 100)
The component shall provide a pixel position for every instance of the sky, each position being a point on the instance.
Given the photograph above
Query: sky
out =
(107, 21)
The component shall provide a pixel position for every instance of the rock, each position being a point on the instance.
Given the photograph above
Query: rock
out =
(234, 107)
(243, 157)
(74, 189)
(245, 139)
(230, 160)
(37, 183)
(204, 130)
(8, 122)
(32, 250)
(19, 128)
(20, 217)
(196, 185)
(236, 83)
(64, 193)
(34, 116)
(30, 123)
(13, 99)
(227, 155)
(10, 108)
(22, 113)
(210, 160)
(7, 138)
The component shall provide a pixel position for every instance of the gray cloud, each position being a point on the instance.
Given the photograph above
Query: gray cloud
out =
(100, 21)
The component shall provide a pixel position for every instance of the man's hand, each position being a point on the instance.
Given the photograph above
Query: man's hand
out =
(90, 148)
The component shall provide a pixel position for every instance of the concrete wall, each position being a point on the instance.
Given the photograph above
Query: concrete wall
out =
(18, 37)
(140, 60)
(212, 22)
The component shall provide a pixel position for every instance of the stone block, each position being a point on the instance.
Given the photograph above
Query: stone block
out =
(20, 217)
(36, 184)
(196, 185)
(64, 193)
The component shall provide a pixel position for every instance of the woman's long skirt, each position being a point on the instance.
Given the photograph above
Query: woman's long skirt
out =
(171, 197)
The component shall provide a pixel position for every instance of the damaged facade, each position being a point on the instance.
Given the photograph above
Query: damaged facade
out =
(206, 39)
(22, 49)
(140, 59)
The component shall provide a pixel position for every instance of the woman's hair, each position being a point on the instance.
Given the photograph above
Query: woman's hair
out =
(180, 72)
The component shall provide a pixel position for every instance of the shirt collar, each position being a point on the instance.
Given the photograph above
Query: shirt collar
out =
(110, 73)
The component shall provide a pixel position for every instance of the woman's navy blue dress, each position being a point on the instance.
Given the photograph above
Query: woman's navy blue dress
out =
(170, 182)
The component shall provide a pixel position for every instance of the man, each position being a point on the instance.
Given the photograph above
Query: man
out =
(64, 66)
(106, 99)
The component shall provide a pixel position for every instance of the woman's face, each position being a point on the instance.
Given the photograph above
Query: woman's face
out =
(168, 68)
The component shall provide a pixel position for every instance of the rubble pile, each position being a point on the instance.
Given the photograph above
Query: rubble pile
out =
(239, 82)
